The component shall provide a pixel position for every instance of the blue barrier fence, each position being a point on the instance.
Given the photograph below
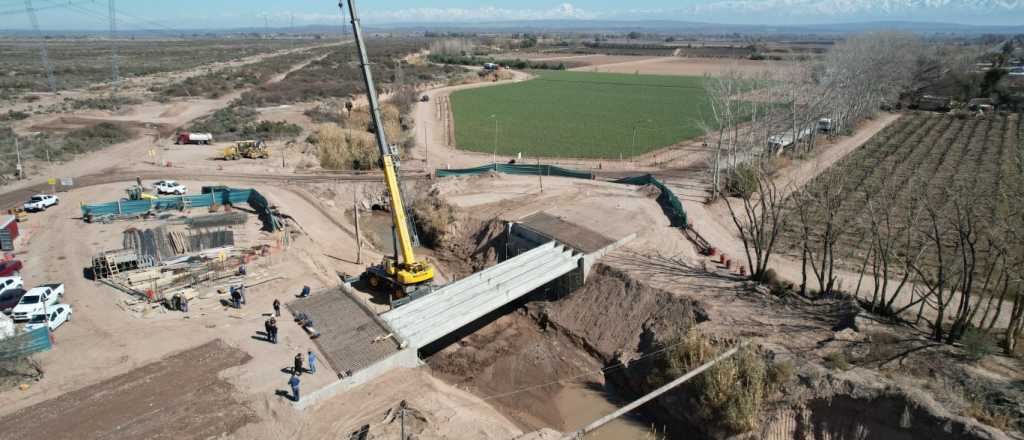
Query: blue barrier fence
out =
(24, 344)
(138, 207)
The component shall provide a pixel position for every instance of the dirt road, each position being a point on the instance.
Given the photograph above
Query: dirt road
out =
(133, 153)
(180, 397)
(432, 149)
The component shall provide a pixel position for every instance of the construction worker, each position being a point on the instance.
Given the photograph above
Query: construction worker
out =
(241, 292)
(294, 382)
(305, 292)
(311, 358)
(241, 270)
(266, 328)
(298, 365)
(277, 308)
(273, 330)
(236, 299)
(184, 304)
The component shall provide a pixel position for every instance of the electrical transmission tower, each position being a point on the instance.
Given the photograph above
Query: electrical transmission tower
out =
(50, 77)
(115, 71)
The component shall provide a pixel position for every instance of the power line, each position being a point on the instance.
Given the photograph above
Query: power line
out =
(21, 11)
(115, 70)
(50, 77)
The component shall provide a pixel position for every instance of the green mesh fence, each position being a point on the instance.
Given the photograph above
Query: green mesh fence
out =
(525, 169)
(670, 204)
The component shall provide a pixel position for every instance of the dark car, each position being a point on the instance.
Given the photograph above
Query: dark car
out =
(9, 299)
(10, 268)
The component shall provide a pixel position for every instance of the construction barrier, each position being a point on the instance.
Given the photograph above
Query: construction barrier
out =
(670, 204)
(516, 169)
(219, 195)
(24, 344)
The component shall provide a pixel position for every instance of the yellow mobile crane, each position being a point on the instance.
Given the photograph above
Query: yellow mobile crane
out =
(402, 274)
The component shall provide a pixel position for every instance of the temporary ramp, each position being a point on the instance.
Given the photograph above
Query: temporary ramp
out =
(450, 308)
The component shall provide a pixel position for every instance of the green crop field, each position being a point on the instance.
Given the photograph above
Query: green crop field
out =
(581, 114)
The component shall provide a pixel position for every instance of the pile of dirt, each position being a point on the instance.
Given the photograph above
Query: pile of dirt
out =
(471, 245)
(617, 318)
(515, 359)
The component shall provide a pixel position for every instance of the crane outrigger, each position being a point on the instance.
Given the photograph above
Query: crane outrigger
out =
(400, 274)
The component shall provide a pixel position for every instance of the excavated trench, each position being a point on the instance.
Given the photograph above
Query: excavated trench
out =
(538, 361)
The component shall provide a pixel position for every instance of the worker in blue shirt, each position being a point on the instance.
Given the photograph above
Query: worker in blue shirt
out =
(311, 358)
(305, 291)
(294, 382)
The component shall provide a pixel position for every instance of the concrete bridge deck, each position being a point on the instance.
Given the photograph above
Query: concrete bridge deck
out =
(450, 308)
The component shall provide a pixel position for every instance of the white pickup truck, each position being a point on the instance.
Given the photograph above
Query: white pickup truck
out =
(40, 202)
(52, 317)
(36, 300)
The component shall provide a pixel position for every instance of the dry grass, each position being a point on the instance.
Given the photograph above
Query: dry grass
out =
(339, 148)
(837, 360)
(351, 145)
(988, 415)
(434, 218)
(728, 397)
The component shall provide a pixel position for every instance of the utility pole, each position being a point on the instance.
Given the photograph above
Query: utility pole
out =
(115, 72)
(50, 78)
(17, 150)
(359, 239)
(540, 175)
(426, 148)
(494, 156)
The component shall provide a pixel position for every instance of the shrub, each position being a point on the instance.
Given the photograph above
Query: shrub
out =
(433, 217)
(108, 103)
(14, 116)
(837, 360)
(976, 344)
(239, 122)
(741, 181)
(781, 373)
(984, 413)
(338, 148)
(727, 397)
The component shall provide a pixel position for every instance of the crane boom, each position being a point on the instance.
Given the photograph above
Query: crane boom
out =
(407, 271)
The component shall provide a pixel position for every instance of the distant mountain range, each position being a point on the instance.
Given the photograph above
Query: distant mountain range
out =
(579, 25)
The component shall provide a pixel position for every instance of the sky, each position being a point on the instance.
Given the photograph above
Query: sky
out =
(225, 14)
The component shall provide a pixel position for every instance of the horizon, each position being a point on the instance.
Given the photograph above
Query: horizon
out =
(225, 15)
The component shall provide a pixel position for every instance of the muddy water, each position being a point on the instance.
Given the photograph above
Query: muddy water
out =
(376, 227)
(581, 404)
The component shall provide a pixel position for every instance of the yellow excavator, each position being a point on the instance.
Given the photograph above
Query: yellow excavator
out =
(401, 275)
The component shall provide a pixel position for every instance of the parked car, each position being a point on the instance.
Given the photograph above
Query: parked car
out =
(36, 300)
(10, 268)
(10, 298)
(11, 282)
(170, 187)
(54, 316)
(40, 202)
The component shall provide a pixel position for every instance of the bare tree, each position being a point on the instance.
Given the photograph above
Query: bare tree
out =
(759, 215)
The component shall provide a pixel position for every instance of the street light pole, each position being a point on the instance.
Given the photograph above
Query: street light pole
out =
(632, 145)
(494, 156)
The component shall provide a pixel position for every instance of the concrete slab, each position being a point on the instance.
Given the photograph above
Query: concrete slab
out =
(448, 309)
(347, 330)
(578, 237)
